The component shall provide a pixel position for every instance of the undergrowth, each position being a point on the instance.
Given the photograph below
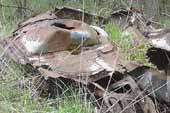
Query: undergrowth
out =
(16, 98)
(125, 41)
(164, 22)
(22, 101)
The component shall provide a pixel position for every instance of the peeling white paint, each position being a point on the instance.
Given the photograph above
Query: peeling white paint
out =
(102, 47)
(33, 46)
(37, 59)
(133, 18)
(94, 67)
(100, 31)
(161, 43)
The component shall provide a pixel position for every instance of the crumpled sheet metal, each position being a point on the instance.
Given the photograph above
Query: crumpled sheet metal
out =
(130, 17)
(64, 56)
(66, 13)
(159, 57)
(119, 17)
(51, 36)
(159, 38)
(123, 99)
(154, 83)
(49, 15)
(122, 17)
(159, 53)
(87, 66)
(123, 103)
(77, 14)
(45, 40)
(114, 103)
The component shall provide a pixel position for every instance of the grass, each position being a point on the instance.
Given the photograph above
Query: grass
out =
(74, 105)
(22, 101)
(14, 99)
(126, 44)
(165, 22)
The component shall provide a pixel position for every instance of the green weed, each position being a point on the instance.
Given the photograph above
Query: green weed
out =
(125, 43)
(165, 22)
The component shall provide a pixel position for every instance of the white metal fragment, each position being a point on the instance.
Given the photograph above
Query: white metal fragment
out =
(33, 46)
(102, 33)
(94, 67)
(161, 43)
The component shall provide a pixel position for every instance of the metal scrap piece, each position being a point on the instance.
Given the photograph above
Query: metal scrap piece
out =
(114, 103)
(49, 36)
(70, 13)
(159, 38)
(45, 40)
(49, 15)
(126, 97)
(130, 17)
(49, 44)
(92, 63)
(159, 53)
(124, 103)
(119, 17)
(153, 82)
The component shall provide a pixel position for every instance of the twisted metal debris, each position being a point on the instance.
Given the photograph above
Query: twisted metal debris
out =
(59, 45)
